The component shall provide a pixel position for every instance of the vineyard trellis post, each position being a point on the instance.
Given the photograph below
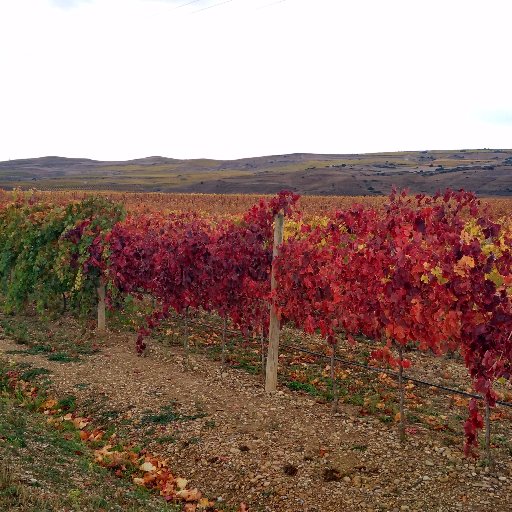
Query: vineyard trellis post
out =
(401, 426)
(335, 396)
(185, 339)
(274, 329)
(262, 348)
(101, 305)
(488, 454)
(224, 328)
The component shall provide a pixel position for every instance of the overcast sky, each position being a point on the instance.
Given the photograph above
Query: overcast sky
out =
(120, 79)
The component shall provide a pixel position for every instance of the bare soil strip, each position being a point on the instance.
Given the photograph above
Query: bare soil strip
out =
(280, 452)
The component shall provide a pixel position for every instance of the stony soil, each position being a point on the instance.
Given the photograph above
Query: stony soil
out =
(280, 452)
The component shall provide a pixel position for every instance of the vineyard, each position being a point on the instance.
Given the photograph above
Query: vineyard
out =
(401, 281)
(221, 205)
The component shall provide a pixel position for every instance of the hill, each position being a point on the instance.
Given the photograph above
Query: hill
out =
(485, 171)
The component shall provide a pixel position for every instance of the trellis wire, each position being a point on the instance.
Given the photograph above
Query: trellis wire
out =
(375, 369)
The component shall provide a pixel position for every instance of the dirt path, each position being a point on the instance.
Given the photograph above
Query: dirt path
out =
(283, 452)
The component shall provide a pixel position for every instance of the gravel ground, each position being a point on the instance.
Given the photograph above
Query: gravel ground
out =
(280, 452)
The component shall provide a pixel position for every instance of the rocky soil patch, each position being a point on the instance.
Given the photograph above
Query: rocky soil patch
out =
(280, 452)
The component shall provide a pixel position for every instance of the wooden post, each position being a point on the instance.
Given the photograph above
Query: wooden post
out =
(101, 305)
(185, 340)
(334, 408)
(401, 427)
(224, 326)
(488, 455)
(262, 345)
(273, 337)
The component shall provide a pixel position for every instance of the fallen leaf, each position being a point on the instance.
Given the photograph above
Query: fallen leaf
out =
(181, 483)
(189, 494)
(96, 435)
(205, 503)
(100, 454)
(80, 423)
(147, 466)
(49, 404)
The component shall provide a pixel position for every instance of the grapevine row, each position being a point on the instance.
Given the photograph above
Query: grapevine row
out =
(434, 272)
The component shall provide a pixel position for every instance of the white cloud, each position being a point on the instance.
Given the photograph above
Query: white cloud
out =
(118, 79)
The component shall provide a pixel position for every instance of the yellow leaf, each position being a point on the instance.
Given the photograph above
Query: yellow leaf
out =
(80, 423)
(181, 483)
(495, 277)
(49, 404)
(189, 494)
(463, 265)
(205, 503)
(147, 466)
(100, 454)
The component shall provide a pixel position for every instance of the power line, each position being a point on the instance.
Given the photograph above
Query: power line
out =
(270, 5)
(187, 3)
(212, 6)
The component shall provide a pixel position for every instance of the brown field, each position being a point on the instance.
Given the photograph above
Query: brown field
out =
(226, 204)
(487, 172)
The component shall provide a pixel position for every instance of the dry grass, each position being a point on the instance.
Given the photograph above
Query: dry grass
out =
(18, 496)
(48, 470)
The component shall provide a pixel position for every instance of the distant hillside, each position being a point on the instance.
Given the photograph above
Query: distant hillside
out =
(485, 171)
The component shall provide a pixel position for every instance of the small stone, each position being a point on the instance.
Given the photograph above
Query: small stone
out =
(426, 478)
(290, 469)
